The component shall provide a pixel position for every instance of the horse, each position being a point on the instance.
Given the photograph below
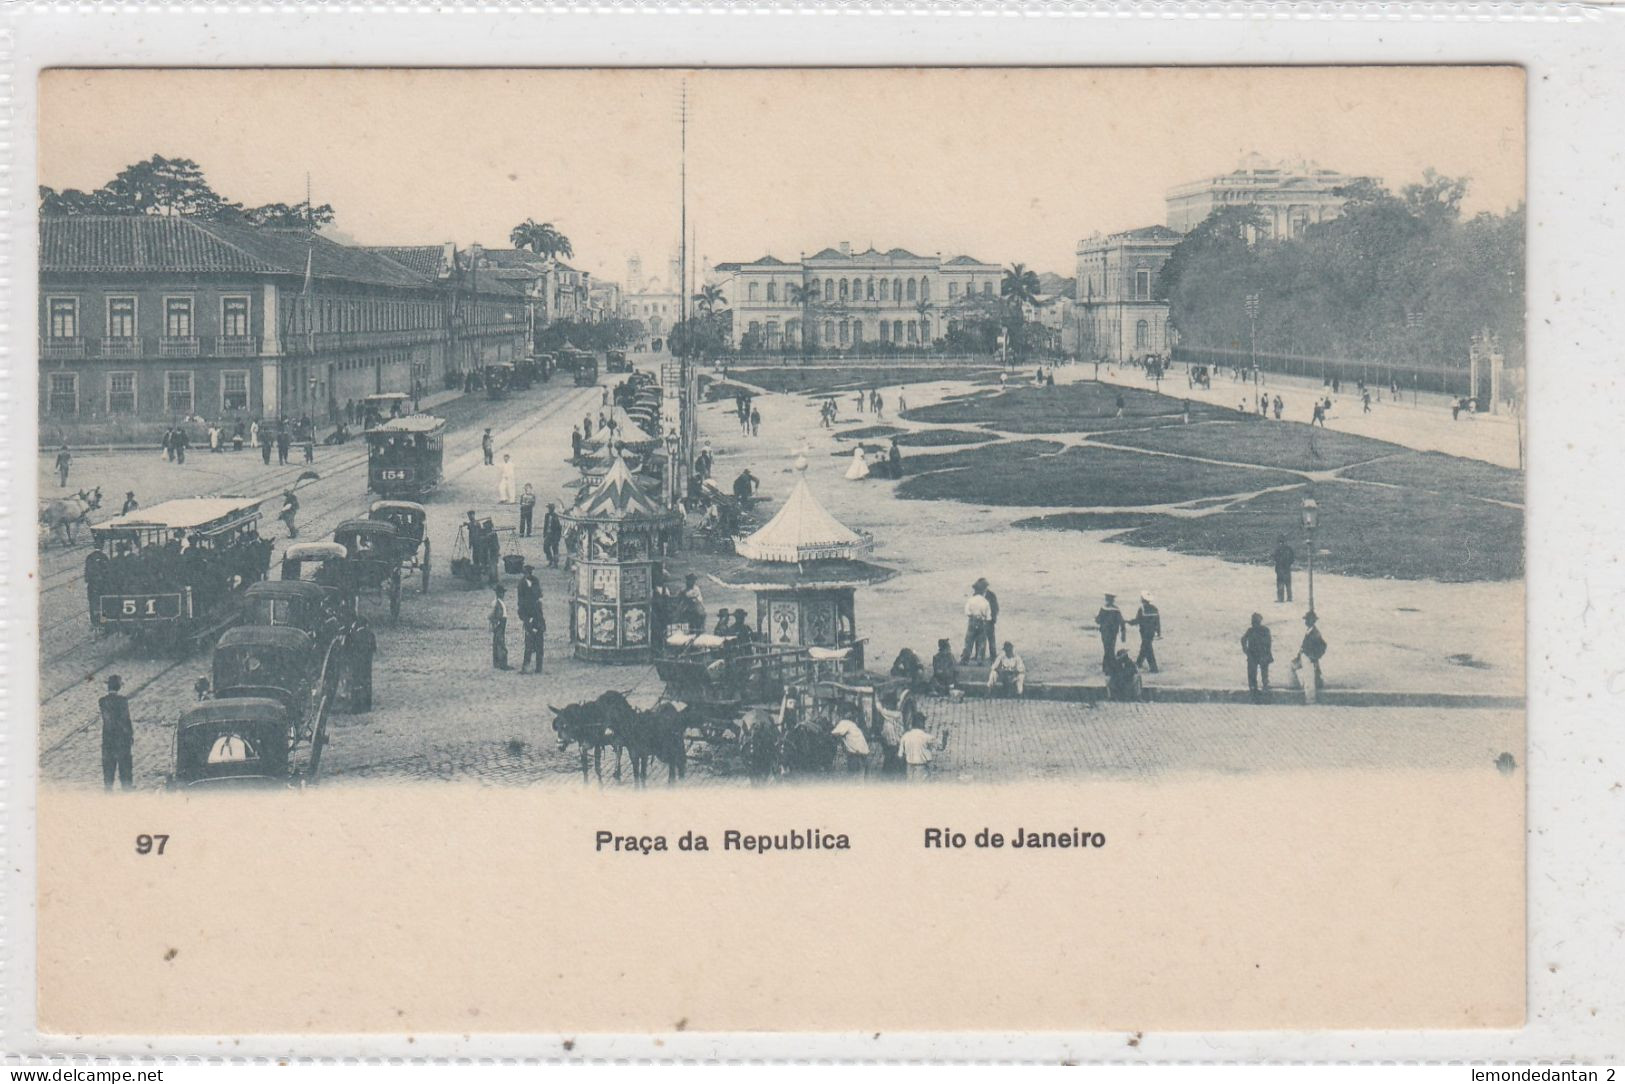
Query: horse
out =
(60, 516)
(760, 741)
(807, 749)
(594, 725)
(661, 733)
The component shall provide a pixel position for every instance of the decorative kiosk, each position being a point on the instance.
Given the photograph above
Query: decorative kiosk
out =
(618, 538)
(804, 566)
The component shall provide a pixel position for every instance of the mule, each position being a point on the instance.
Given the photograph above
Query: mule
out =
(592, 726)
(661, 734)
(62, 515)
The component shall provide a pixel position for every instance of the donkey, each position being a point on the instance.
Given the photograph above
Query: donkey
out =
(661, 734)
(593, 726)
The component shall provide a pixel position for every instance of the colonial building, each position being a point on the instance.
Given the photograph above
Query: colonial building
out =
(657, 307)
(837, 299)
(148, 319)
(1292, 195)
(1117, 312)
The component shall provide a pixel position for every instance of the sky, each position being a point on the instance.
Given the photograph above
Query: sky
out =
(1003, 164)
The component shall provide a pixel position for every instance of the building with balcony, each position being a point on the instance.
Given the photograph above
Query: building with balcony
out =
(1117, 313)
(837, 299)
(147, 319)
(1291, 195)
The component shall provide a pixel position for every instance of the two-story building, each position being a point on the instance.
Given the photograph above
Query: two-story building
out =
(1117, 311)
(838, 300)
(145, 320)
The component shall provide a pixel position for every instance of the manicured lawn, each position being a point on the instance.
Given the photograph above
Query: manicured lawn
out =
(924, 438)
(1445, 474)
(868, 432)
(1291, 445)
(1363, 531)
(1068, 408)
(850, 378)
(1021, 473)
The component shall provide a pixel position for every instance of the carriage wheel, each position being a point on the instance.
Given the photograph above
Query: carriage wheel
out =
(395, 596)
(425, 566)
(318, 740)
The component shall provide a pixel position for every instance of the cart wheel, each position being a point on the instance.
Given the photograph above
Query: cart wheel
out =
(425, 566)
(318, 741)
(395, 596)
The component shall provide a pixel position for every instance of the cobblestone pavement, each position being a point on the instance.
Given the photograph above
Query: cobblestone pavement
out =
(1005, 740)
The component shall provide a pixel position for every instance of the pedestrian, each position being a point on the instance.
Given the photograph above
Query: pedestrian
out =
(894, 459)
(535, 626)
(854, 743)
(214, 438)
(1109, 620)
(310, 442)
(530, 593)
(182, 442)
(64, 460)
(916, 746)
(1365, 399)
(724, 622)
(977, 613)
(1009, 674)
(552, 531)
(1279, 406)
(755, 421)
(586, 427)
(861, 400)
(879, 404)
(488, 446)
(693, 604)
(1122, 404)
(505, 483)
(944, 670)
(498, 620)
(118, 736)
(265, 450)
(1313, 648)
(1283, 559)
(1255, 645)
(130, 503)
(283, 443)
(349, 411)
(290, 509)
(168, 443)
(527, 509)
(902, 403)
(237, 436)
(1319, 416)
(992, 618)
(741, 628)
(1149, 621)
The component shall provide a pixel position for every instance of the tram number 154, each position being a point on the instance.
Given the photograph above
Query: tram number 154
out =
(393, 475)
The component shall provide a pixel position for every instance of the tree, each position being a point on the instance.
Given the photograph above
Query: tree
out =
(805, 294)
(1019, 289)
(541, 238)
(922, 311)
(70, 201)
(285, 216)
(175, 187)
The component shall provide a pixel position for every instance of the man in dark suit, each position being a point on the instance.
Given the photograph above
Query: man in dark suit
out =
(118, 736)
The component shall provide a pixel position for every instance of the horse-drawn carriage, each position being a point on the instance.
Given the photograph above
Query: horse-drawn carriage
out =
(341, 641)
(499, 380)
(722, 676)
(378, 553)
(584, 365)
(405, 456)
(178, 569)
(411, 523)
(615, 361)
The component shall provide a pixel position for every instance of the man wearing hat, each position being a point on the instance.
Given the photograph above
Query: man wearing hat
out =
(498, 620)
(944, 670)
(1149, 622)
(977, 615)
(552, 531)
(724, 620)
(741, 628)
(1110, 623)
(992, 618)
(118, 736)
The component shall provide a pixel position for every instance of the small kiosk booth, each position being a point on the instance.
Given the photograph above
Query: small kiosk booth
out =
(619, 538)
(805, 567)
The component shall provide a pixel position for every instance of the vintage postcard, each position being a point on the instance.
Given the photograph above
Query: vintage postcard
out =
(612, 550)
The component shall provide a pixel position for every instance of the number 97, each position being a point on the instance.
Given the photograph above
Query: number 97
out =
(155, 844)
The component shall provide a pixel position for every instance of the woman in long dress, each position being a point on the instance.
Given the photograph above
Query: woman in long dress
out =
(860, 466)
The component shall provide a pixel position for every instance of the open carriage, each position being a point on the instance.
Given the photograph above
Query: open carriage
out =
(411, 523)
(723, 676)
(377, 553)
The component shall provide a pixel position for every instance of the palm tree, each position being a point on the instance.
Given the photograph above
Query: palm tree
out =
(805, 294)
(709, 300)
(923, 310)
(1019, 289)
(542, 238)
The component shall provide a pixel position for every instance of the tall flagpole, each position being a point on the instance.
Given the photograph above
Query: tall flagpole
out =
(682, 235)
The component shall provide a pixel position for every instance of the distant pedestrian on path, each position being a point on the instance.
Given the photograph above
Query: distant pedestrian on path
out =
(498, 621)
(1255, 645)
(64, 460)
(283, 443)
(977, 614)
(1149, 621)
(535, 626)
(902, 403)
(182, 442)
(527, 510)
(290, 509)
(992, 616)
(552, 531)
(130, 503)
(1313, 648)
(254, 433)
(1109, 620)
(1279, 406)
(118, 736)
(1365, 399)
(861, 401)
(505, 482)
(1121, 404)
(488, 446)
(1283, 558)
(265, 450)
(755, 422)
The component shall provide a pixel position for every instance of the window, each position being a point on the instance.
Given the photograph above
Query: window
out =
(178, 392)
(953, 289)
(925, 330)
(857, 332)
(846, 333)
(121, 393)
(1142, 285)
(913, 328)
(897, 331)
(811, 290)
(64, 317)
(1142, 335)
(829, 331)
(925, 289)
(843, 290)
(750, 294)
(829, 289)
(772, 291)
(912, 288)
(885, 330)
(987, 289)
(234, 317)
(178, 317)
(121, 318)
(885, 289)
(63, 396)
(897, 289)
(234, 389)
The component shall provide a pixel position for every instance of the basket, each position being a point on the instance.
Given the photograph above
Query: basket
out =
(513, 563)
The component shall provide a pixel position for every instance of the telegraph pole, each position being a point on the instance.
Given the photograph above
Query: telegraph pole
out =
(1252, 321)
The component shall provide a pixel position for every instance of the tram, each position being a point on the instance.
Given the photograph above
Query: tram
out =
(176, 569)
(404, 456)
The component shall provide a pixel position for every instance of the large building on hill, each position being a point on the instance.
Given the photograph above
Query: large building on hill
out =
(839, 299)
(149, 319)
(1291, 195)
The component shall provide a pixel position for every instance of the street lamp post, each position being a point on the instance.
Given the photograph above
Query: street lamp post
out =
(1311, 514)
(1252, 322)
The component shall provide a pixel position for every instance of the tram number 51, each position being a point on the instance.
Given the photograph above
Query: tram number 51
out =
(132, 607)
(145, 844)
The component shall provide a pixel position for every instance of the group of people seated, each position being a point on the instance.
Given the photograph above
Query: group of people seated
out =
(1008, 674)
